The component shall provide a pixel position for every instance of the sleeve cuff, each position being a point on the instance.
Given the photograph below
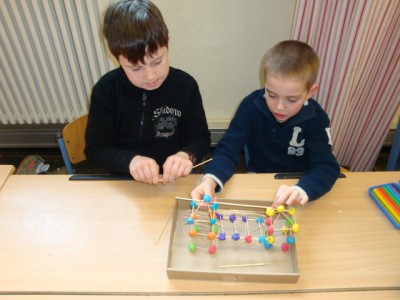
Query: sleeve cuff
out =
(300, 190)
(192, 158)
(219, 187)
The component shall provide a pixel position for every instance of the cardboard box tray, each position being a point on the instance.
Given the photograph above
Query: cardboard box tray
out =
(234, 260)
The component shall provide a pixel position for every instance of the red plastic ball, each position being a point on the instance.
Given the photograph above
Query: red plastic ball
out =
(285, 247)
(248, 238)
(270, 230)
(212, 249)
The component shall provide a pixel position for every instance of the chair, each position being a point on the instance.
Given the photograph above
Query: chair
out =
(72, 142)
(393, 161)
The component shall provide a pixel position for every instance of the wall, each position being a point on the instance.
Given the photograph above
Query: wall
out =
(52, 56)
(221, 43)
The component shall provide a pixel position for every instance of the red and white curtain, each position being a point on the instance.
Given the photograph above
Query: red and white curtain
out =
(358, 43)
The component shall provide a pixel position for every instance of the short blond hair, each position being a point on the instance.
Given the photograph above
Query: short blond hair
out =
(292, 58)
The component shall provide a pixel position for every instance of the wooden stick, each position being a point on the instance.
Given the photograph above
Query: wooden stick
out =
(245, 265)
(195, 166)
(202, 163)
(165, 225)
(227, 203)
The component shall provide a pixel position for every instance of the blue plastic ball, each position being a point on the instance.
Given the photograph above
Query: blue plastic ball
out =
(222, 236)
(290, 240)
(235, 236)
(261, 239)
(207, 198)
(267, 245)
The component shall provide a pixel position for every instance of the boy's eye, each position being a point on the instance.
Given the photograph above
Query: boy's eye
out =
(157, 62)
(271, 95)
(135, 68)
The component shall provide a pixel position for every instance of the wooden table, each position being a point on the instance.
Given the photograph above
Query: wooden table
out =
(5, 171)
(108, 238)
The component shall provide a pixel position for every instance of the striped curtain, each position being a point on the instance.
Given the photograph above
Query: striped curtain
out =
(359, 47)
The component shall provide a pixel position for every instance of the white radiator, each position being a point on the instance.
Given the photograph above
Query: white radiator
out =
(51, 54)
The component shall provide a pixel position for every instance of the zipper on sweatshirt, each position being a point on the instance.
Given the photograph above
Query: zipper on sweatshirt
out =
(144, 98)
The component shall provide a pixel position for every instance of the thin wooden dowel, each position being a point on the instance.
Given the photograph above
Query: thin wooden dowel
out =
(202, 163)
(195, 166)
(227, 203)
(244, 265)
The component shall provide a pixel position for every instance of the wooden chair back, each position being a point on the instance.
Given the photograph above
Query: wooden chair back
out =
(74, 139)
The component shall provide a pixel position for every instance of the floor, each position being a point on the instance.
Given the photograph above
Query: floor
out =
(52, 156)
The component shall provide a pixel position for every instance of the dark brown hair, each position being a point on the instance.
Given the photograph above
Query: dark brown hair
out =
(134, 29)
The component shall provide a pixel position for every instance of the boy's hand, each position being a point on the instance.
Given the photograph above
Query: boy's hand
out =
(144, 169)
(287, 195)
(177, 165)
(207, 187)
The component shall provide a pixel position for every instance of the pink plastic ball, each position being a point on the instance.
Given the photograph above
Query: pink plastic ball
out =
(248, 238)
(285, 247)
(212, 249)
(270, 230)
(268, 221)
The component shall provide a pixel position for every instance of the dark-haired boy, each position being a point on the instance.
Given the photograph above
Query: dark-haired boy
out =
(145, 118)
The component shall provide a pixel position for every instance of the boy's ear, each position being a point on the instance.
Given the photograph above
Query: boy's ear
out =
(312, 90)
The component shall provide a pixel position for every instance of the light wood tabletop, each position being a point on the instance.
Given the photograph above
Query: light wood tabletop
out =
(5, 171)
(351, 295)
(110, 238)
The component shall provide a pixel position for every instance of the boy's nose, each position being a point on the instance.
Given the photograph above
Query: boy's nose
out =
(280, 105)
(150, 74)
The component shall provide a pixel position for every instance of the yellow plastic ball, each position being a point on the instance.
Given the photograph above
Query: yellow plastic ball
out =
(270, 211)
(280, 209)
